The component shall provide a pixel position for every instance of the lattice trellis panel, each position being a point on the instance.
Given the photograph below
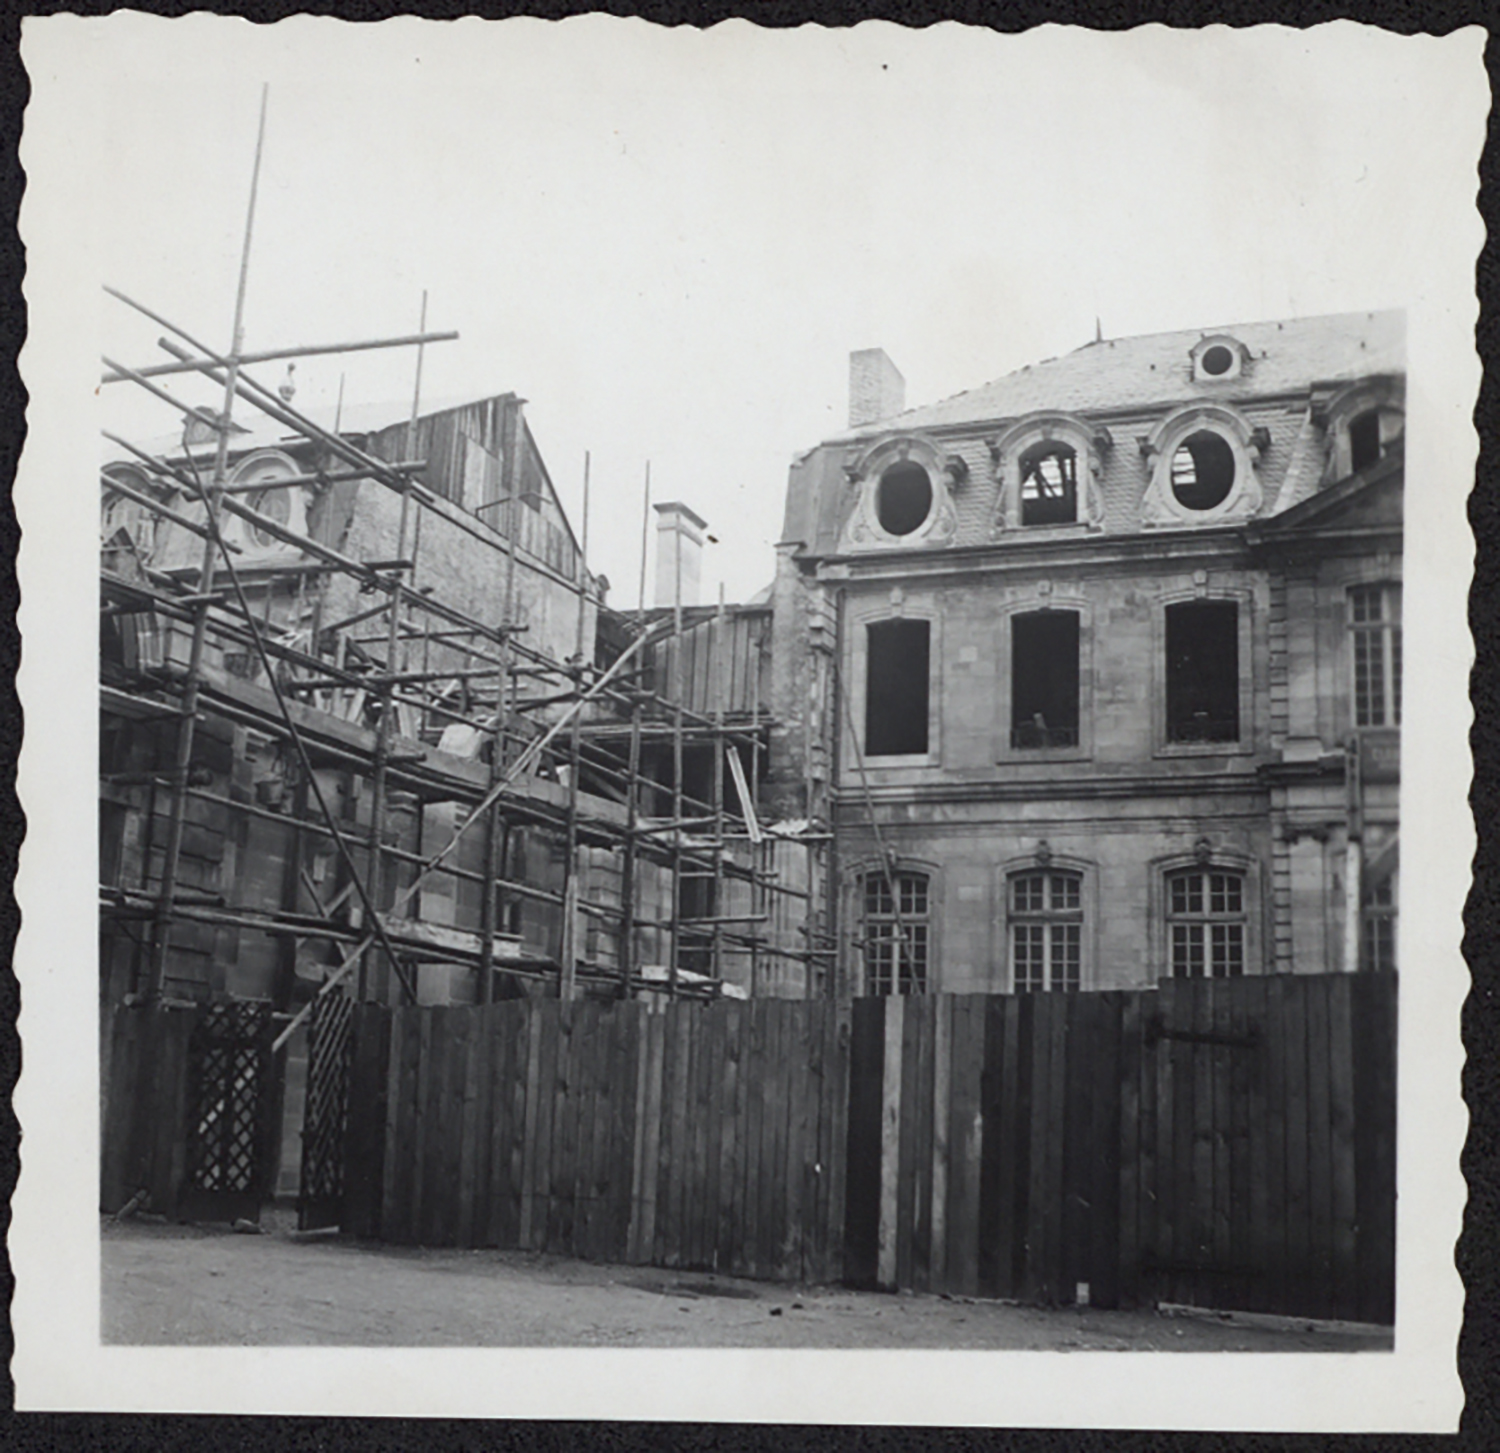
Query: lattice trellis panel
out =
(229, 1091)
(326, 1116)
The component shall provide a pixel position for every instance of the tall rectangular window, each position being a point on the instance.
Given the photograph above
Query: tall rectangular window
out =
(896, 933)
(1378, 942)
(1375, 624)
(1203, 671)
(1044, 679)
(1046, 931)
(896, 688)
(1206, 921)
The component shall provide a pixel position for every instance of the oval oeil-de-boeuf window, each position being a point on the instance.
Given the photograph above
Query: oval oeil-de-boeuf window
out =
(903, 499)
(1202, 471)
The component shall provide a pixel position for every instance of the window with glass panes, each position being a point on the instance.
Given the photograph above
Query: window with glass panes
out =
(1378, 942)
(1206, 923)
(1046, 931)
(1375, 625)
(896, 923)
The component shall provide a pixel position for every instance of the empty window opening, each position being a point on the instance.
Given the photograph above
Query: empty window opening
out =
(896, 938)
(1046, 932)
(904, 498)
(1375, 621)
(896, 689)
(1217, 360)
(274, 504)
(1203, 671)
(1202, 470)
(1049, 485)
(1378, 939)
(1206, 920)
(1364, 440)
(1044, 679)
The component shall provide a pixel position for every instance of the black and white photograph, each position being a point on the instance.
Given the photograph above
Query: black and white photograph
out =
(755, 696)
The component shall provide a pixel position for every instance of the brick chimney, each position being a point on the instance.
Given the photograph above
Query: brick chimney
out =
(876, 389)
(679, 553)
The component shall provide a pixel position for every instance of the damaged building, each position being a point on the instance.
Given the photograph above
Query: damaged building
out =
(1096, 669)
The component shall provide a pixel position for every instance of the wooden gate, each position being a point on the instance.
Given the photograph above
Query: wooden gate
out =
(320, 1192)
(230, 1099)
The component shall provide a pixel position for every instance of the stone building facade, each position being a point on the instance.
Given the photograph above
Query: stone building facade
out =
(1095, 669)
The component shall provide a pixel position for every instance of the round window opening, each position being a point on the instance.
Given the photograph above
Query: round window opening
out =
(1202, 471)
(274, 505)
(904, 498)
(1217, 360)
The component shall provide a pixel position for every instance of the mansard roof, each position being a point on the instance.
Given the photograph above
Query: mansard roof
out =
(1155, 370)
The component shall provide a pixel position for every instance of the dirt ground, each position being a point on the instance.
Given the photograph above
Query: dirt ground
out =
(209, 1285)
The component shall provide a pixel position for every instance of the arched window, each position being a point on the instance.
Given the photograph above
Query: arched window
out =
(1049, 484)
(1206, 923)
(119, 512)
(897, 922)
(274, 504)
(1046, 930)
(1364, 440)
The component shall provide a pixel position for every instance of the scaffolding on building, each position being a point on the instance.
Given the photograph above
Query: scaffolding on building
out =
(428, 705)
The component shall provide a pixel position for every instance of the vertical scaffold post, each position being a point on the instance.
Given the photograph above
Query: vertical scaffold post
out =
(183, 758)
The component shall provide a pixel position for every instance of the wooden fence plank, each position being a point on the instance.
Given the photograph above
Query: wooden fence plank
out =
(1374, 1047)
(654, 1112)
(1243, 1066)
(907, 1142)
(1129, 1153)
(840, 1099)
(1341, 1121)
(549, 1013)
(1166, 1076)
(1254, 1248)
(1035, 1285)
(1319, 1146)
(967, 1206)
(364, 1141)
(521, 1034)
(1298, 1263)
(890, 1139)
(774, 1130)
(1104, 1182)
(862, 1176)
(942, 1090)
(1276, 1240)
(472, 1159)
(495, 1081)
(729, 1113)
(532, 1167)
(922, 1167)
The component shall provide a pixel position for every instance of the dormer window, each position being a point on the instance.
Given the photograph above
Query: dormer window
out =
(1049, 485)
(1047, 467)
(285, 504)
(1363, 421)
(1202, 470)
(1218, 359)
(903, 498)
(1364, 440)
(902, 495)
(1202, 461)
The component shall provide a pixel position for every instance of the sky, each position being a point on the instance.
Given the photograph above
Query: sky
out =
(669, 241)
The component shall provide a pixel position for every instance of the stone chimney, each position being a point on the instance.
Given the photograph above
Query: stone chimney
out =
(876, 389)
(679, 553)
